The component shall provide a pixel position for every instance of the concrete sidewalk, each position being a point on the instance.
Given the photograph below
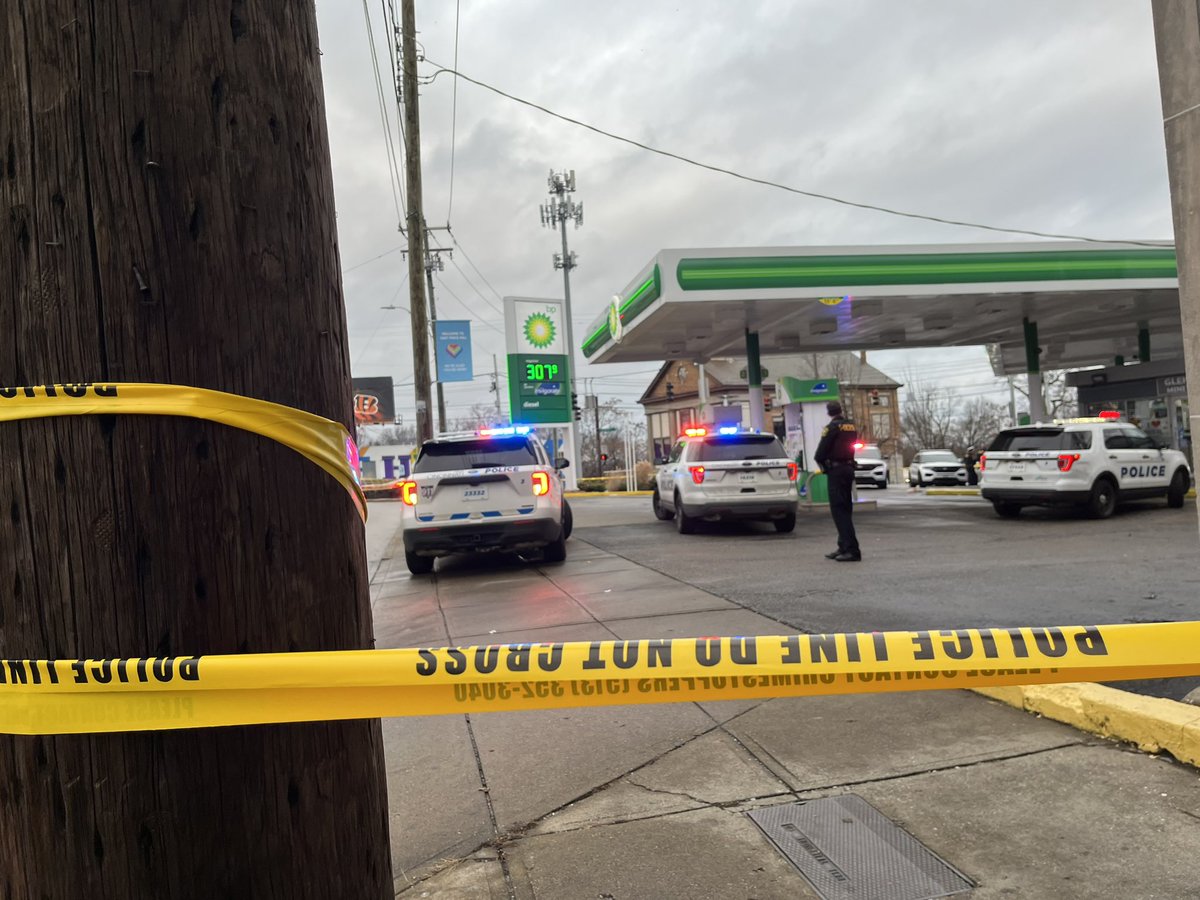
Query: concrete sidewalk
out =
(652, 801)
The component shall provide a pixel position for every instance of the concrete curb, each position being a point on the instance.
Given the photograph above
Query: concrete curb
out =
(574, 494)
(951, 492)
(1152, 723)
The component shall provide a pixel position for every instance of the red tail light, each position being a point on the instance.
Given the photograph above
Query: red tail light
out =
(982, 461)
(541, 483)
(1066, 460)
(697, 474)
(408, 492)
(793, 471)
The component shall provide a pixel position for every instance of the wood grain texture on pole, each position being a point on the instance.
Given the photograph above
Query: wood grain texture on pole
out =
(415, 218)
(1177, 36)
(168, 217)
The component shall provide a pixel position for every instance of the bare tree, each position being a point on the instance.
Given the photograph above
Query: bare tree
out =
(1062, 400)
(615, 421)
(481, 415)
(977, 422)
(928, 416)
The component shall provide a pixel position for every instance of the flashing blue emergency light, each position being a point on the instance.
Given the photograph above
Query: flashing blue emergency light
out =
(505, 431)
(727, 429)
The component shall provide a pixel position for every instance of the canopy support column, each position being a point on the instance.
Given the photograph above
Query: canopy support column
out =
(1143, 344)
(754, 378)
(1033, 364)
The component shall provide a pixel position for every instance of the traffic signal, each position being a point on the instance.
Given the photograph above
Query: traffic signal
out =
(874, 398)
(603, 457)
(670, 391)
(575, 406)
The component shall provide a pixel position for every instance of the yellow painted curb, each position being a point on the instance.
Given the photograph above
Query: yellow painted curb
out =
(951, 492)
(1152, 723)
(574, 494)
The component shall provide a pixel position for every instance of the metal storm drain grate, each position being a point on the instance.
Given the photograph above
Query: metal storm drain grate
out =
(849, 850)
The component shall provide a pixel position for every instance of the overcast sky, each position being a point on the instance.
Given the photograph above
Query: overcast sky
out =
(1039, 114)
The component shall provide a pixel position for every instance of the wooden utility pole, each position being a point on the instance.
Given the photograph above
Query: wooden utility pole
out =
(1177, 34)
(168, 217)
(416, 220)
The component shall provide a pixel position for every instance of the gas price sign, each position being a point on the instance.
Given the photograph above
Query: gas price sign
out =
(538, 388)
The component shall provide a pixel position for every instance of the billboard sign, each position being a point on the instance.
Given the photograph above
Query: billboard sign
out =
(374, 401)
(453, 337)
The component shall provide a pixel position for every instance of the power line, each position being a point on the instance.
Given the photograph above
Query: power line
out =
(481, 295)
(453, 112)
(446, 288)
(467, 257)
(371, 260)
(784, 187)
(393, 168)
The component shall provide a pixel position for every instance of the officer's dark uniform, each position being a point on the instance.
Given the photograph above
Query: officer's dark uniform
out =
(835, 456)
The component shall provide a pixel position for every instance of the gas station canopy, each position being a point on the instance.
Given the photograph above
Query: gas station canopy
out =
(1080, 304)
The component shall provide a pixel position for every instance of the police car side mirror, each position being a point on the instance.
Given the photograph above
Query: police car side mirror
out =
(562, 462)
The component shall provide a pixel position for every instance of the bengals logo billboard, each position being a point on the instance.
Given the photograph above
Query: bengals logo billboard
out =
(374, 401)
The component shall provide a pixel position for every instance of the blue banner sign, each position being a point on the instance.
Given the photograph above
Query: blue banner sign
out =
(453, 350)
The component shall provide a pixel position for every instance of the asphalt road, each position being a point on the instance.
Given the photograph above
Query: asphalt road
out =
(930, 563)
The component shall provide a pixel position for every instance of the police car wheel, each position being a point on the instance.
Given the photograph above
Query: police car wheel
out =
(556, 551)
(660, 512)
(1178, 490)
(418, 565)
(1103, 500)
(1005, 509)
(568, 520)
(684, 523)
(787, 524)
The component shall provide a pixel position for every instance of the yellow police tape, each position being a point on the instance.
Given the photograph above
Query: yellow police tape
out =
(80, 696)
(320, 440)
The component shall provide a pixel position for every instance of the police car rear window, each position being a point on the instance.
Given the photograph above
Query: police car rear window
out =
(1041, 439)
(475, 454)
(739, 447)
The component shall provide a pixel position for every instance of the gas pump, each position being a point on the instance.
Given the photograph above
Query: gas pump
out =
(804, 418)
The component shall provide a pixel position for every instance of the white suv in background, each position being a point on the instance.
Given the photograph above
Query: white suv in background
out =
(1094, 463)
(936, 467)
(727, 473)
(869, 466)
(494, 489)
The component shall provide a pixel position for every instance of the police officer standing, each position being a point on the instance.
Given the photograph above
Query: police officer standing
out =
(835, 456)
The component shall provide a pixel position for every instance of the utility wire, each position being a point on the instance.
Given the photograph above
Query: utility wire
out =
(371, 260)
(467, 257)
(478, 292)
(784, 187)
(393, 167)
(453, 112)
(470, 312)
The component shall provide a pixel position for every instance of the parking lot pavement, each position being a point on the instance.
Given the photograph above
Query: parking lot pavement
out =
(652, 800)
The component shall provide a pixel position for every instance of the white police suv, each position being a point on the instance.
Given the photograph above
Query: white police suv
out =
(1094, 463)
(493, 489)
(869, 465)
(726, 473)
(936, 467)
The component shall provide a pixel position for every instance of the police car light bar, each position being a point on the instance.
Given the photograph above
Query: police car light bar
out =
(1109, 414)
(727, 429)
(505, 431)
(695, 432)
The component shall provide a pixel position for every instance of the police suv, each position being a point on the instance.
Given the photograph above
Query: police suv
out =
(726, 473)
(493, 489)
(869, 465)
(1094, 463)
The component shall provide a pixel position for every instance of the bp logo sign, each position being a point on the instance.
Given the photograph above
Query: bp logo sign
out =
(821, 387)
(616, 327)
(539, 330)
